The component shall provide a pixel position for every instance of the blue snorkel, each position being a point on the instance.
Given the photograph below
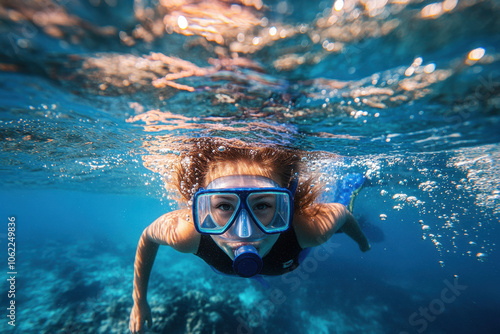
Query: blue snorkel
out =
(247, 262)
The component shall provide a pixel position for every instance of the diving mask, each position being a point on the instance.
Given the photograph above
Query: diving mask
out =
(239, 203)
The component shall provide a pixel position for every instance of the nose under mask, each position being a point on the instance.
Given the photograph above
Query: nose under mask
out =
(244, 228)
(243, 225)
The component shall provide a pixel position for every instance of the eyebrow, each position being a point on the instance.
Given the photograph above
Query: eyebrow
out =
(225, 197)
(263, 197)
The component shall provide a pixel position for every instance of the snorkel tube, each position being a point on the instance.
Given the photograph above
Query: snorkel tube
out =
(247, 262)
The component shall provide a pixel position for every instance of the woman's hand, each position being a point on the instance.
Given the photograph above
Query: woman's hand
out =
(365, 246)
(141, 312)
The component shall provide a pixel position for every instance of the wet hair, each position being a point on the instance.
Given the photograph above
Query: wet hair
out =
(205, 155)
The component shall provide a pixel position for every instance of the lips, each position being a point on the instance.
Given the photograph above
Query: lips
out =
(235, 246)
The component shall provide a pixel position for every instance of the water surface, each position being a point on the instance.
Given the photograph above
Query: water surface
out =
(94, 94)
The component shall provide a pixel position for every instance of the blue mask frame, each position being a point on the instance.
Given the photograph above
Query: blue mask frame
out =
(243, 194)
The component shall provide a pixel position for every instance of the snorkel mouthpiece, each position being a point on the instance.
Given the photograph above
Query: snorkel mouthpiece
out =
(247, 262)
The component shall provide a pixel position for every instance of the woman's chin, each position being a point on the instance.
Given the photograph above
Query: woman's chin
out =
(262, 246)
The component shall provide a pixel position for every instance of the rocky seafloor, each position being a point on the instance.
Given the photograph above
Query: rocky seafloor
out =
(86, 287)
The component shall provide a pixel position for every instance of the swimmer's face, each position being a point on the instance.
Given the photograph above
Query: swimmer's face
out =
(231, 239)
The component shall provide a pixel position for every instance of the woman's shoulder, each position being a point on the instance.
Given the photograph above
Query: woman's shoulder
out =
(318, 223)
(176, 229)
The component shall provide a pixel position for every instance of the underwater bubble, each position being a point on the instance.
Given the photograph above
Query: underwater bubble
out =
(476, 54)
(383, 217)
(481, 256)
(222, 148)
(426, 227)
(399, 197)
(429, 68)
(411, 199)
(383, 193)
(441, 263)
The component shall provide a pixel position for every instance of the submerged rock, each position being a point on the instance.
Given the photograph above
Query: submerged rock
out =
(198, 313)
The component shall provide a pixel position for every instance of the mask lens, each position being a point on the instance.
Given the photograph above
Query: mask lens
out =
(215, 211)
(271, 210)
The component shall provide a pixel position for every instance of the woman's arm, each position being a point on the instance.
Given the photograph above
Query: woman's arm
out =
(173, 229)
(319, 223)
(144, 259)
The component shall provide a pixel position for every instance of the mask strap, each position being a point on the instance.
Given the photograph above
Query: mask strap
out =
(294, 183)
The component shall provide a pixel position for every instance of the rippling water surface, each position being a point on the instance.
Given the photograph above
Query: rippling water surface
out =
(94, 93)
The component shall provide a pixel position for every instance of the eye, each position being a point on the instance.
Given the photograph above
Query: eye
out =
(261, 206)
(223, 203)
(225, 207)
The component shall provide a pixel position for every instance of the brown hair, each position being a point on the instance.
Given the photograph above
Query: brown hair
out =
(198, 161)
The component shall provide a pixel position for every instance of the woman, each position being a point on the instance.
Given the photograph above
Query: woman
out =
(250, 211)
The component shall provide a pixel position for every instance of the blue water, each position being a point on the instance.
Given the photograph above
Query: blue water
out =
(409, 91)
